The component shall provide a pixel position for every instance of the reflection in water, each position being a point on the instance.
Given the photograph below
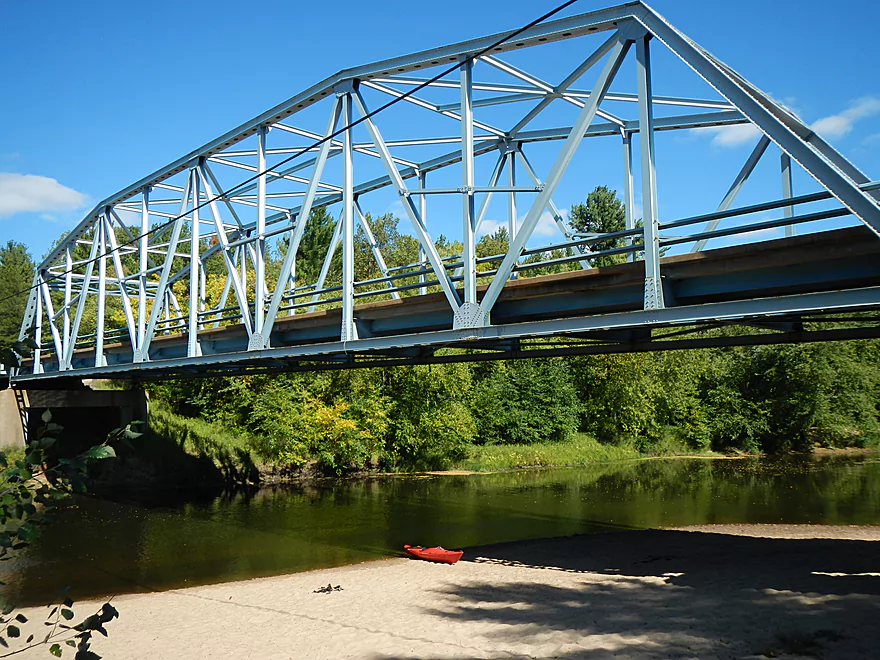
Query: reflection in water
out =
(100, 547)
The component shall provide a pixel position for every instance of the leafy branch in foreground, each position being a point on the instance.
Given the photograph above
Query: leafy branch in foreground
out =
(29, 489)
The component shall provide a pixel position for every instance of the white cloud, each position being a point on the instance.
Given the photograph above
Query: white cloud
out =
(547, 225)
(26, 192)
(491, 226)
(839, 125)
(729, 137)
(872, 140)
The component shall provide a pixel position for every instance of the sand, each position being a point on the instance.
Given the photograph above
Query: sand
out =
(739, 591)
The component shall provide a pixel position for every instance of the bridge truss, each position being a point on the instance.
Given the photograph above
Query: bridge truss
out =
(120, 298)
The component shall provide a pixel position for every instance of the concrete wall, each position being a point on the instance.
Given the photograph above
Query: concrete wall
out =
(11, 429)
(87, 415)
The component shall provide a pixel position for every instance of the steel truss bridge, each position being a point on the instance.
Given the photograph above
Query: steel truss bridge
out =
(443, 151)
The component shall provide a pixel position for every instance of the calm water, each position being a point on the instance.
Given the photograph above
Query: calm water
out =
(99, 547)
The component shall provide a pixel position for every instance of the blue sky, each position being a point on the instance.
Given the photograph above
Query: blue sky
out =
(99, 94)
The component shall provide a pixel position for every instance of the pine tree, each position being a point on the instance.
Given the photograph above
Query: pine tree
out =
(16, 273)
(602, 213)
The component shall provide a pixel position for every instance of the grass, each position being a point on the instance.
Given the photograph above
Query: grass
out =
(193, 435)
(13, 453)
(230, 452)
(577, 451)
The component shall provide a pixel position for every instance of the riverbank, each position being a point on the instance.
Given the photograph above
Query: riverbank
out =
(743, 591)
(234, 456)
(189, 453)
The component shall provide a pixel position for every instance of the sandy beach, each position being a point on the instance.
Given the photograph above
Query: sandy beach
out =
(737, 591)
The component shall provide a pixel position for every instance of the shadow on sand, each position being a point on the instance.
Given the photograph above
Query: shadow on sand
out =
(678, 595)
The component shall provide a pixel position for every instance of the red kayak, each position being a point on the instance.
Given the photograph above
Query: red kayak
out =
(438, 554)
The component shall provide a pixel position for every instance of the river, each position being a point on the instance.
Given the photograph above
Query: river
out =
(98, 547)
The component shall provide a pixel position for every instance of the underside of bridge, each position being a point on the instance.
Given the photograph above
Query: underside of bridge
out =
(204, 267)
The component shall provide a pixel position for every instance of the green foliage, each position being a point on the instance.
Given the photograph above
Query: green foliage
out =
(16, 274)
(747, 399)
(28, 493)
(213, 445)
(785, 398)
(617, 396)
(313, 246)
(577, 451)
(431, 423)
(397, 249)
(296, 425)
(602, 213)
(491, 245)
(525, 402)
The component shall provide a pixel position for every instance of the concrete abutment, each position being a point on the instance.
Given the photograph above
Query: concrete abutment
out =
(87, 414)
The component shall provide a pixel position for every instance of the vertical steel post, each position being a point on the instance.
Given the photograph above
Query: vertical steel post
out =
(102, 289)
(629, 201)
(192, 348)
(68, 289)
(260, 265)
(785, 164)
(423, 211)
(468, 254)
(653, 285)
(143, 253)
(511, 201)
(38, 328)
(242, 267)
(349, 331)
